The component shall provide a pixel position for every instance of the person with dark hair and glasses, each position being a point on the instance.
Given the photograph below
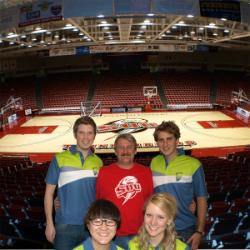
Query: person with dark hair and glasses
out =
(102, 221)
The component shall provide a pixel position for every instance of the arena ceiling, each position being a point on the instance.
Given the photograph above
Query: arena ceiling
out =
(131, 29)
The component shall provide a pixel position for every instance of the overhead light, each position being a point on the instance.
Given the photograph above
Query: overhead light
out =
(201, 28)
(226, 30)
(56, 36)
(137, 41)
(42, 42)
(181, 22)
(75, 29)
(11, 42)
(23, 36)
(146, 21)
(174, 27)
(68, 26)
(81, 34)
(88, 39)
(143, 27)
(215, 34)
(103, 22)
(100, 16)
(29, 46)
(34, 39)
(11, 35)
(223, 19)
(1, 40)
(150, 14)
(190, 16)
(192, 32)
(48, 32)
(39, 31)
(22, 44)
(168, 31)
(106, 28)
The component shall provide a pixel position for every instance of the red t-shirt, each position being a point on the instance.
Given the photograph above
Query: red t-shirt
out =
(128, 189)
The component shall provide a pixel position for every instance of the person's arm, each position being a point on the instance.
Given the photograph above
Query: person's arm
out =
(201, 213)
(195, 239)
(48, 208)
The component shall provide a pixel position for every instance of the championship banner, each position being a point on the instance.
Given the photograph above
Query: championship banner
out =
(40, 11)
(62, 52)
(229, 9)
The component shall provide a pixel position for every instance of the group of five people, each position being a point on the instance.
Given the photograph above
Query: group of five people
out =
(81, 180)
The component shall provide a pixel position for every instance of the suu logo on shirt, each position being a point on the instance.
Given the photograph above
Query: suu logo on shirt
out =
(127, 188)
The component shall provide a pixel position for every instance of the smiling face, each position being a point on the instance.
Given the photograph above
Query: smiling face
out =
(167, 144)
(85, 136)
(102, 234)
(155, 222)
(125, 151)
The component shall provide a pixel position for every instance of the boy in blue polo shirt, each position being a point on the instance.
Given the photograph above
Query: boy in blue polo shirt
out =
(183, 177)
(73, 172)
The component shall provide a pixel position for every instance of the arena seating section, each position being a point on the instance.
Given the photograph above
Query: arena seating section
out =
(185, 88)
(22, 87)
(58, 90)
(22, 191)
(116, 89)
(122, 89)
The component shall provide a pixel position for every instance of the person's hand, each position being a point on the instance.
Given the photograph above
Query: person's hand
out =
(194, 241)
(57, 203)
(192, 207)
(50, 232)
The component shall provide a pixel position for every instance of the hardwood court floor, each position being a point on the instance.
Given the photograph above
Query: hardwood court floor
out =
(49, 134)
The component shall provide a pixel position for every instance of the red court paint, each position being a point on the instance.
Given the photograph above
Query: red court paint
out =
(34, 130)
(222, 124)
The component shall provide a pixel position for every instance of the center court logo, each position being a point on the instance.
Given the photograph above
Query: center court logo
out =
(124, 126)
(127, 188)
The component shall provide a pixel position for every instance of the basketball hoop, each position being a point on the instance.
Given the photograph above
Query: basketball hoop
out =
(149, 92)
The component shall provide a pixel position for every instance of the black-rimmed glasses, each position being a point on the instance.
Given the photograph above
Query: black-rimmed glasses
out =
(99, 222)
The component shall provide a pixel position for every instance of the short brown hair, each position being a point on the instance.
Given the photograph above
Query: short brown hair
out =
(169, 127)
(103, 209)
(87, 120)
(127, 137)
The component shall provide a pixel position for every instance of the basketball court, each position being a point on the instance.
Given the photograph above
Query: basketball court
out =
(53, 133)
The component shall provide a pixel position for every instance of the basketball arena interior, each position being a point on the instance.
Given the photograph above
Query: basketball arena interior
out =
(130, 65)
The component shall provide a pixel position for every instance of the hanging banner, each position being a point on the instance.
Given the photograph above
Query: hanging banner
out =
(39, 12)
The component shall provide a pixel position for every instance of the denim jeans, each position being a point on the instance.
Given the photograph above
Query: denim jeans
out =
(69, 236)
(122, 241)
(186, 233)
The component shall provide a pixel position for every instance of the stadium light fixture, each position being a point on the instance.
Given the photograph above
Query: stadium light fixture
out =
(11, 35)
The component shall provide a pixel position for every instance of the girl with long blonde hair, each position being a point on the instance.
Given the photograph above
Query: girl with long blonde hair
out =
(158, 229)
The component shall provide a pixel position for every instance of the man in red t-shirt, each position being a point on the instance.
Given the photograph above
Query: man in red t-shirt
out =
(128, 185)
